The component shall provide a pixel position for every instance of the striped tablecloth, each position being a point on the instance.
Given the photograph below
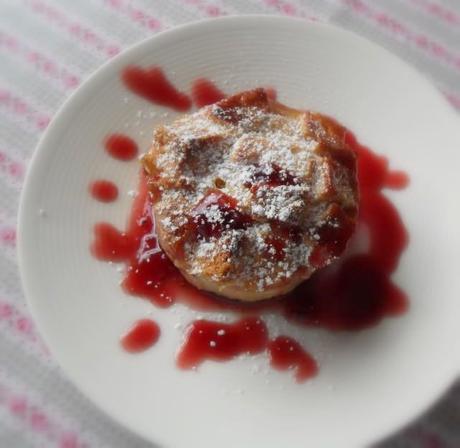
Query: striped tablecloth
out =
(47, 49)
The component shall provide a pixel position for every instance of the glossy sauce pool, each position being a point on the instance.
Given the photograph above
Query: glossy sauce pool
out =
(352, 294)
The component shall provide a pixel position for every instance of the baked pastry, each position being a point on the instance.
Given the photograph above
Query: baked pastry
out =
(251, 197)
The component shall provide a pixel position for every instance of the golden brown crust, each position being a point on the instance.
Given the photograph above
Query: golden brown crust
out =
(250, 196)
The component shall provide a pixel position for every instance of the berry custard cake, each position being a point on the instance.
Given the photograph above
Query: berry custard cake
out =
(251, 197)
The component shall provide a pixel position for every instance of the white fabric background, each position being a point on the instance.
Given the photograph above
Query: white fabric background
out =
(47, 48)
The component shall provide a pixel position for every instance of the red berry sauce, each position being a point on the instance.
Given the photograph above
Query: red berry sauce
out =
(357, 291)
(231, 217)
(121, 147)
(216, 341)
(286, 353)
(271, 176)
(103, 190)
(152, 84)
(272, 94)
(141, 336)
(354, 293)
(205, 92)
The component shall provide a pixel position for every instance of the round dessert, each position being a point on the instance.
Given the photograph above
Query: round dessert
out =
(251, 197)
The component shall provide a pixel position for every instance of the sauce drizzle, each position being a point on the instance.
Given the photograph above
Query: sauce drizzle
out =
(354, 293)
(205, 92)
(152, 84)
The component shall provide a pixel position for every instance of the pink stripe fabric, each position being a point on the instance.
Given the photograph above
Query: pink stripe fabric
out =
(439, 11)
(73, 27)
(135, 14)
(399, 29)
(13, 169)
(44, 64)
(35, 419)
(20, 107)
(287, 8)
(454, 99)
(208, 9)
(19, 324)
(70, 40)
(8, 235)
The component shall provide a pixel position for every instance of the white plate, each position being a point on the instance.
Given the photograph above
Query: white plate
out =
(370, 382)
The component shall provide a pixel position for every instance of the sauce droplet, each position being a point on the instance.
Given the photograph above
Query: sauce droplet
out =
(121, 147)
(141, 336)
(103, 190)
